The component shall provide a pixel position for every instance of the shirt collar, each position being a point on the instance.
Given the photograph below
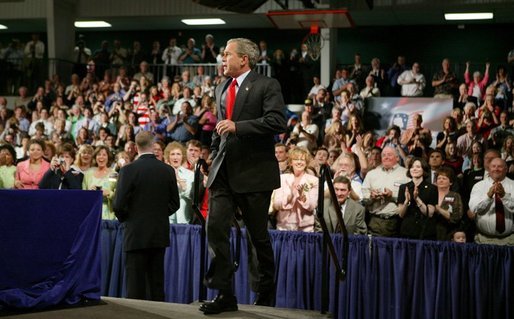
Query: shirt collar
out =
(241, 78)
(391, 169)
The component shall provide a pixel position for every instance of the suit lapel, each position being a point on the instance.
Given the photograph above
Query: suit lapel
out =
(242, 93)
(219, 93)
(347, 216)
(332, 214)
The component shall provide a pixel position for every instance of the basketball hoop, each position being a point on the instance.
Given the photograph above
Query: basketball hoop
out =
(313, 20)
(314, 42)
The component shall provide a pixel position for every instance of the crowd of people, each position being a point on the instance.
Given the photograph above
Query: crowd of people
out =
(78, 134)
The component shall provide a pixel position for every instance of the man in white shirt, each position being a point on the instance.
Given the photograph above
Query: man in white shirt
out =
(380, 191)
(492, 202)
(170, 57)
(186, 98)
(413, 83)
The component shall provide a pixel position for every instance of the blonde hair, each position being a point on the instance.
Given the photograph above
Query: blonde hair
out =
(299, 153)
(172, 146)
(85, 148)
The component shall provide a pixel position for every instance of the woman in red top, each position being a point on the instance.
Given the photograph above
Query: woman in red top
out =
(488, 116)
(452, 159)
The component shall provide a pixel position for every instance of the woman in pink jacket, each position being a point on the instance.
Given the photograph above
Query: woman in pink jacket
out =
(297, 197)
(477, 87)
(30, 172)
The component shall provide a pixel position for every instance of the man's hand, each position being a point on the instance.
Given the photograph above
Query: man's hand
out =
(387, 193)
(491, 191)
(225, 126)
(500, 190)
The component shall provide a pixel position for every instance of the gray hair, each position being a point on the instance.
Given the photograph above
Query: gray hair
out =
(248, 48)
(470, 105)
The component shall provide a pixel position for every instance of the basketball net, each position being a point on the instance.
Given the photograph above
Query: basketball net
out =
(314, 42)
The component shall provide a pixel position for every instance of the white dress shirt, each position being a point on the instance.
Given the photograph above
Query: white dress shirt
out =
(485, 207)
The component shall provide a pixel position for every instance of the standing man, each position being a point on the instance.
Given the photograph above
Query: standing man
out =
(243, 174)
(412, 81)
(146, 195)
(380, 192)
(170, 56)
(492, 202)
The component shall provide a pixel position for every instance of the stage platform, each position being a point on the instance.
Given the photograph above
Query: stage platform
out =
(139, 309)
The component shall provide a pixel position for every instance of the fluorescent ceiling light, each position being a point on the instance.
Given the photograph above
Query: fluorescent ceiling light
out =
(92, 24)
(469, 16)
(3, 27)
(203, 21)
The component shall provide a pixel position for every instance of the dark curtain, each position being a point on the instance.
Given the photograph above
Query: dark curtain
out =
(49, 247)
(387, 278)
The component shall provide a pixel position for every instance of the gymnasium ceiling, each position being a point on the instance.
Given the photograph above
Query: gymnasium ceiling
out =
(31, 15)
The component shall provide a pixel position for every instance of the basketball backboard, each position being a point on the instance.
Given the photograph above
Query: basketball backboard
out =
(305, 19)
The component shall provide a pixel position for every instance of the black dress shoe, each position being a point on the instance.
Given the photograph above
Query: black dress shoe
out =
(221, 303)
(265, 299)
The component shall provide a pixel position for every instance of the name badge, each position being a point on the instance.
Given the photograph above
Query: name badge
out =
(478, 178)
(449, 199)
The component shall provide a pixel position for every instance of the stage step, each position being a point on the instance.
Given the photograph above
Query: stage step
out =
(113, 308)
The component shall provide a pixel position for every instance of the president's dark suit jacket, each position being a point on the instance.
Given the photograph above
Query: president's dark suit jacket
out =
(259, 114)
(353, 217)
(146, 195)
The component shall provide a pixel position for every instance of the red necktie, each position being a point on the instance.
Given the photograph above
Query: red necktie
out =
(230, 99)
(500, 214)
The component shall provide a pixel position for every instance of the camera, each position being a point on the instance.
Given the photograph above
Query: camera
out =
(61, 161)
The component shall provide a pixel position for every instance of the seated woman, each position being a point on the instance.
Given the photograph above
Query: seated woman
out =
(83, 137)
(476, 149)
(334, 135)
(448, 134)
(488, 116)
(297, 198)
(452, 159)
(102, 177)
(61, 174)
(7, 166)
(84, 158)
(30, 172)
(507, 152)
(416, 202)
(175, 156)
(448, 211)
(320, 159)
(354, 129)
(207, 119)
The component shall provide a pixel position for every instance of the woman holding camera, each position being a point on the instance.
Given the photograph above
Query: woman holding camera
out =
(61, 174)
(102, 177)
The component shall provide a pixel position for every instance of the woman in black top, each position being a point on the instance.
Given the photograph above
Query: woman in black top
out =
(416, 202)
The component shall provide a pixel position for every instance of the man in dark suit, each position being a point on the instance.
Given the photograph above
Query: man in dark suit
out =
(243, 174)
(146, 195)
(353, 212)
